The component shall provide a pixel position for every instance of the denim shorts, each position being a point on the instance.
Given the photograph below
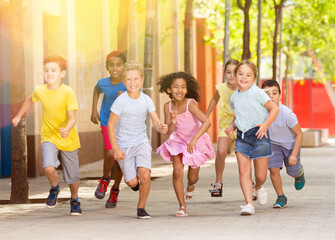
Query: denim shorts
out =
(252, 147)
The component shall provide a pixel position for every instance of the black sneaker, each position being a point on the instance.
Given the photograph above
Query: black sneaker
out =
(52, 198)
(75, 208)
(142, 214)
(102, 188)
(112, 200)
(137, 187)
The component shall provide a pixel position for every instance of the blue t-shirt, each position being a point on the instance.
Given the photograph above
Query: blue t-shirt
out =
(110, 92)
(249, 107)
(130, 129)
(280, 130)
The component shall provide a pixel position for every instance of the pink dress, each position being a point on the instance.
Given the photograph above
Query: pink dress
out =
(186, 127)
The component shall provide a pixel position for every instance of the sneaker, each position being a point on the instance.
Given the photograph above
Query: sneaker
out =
(262, 196)
(247, 210)
(137, 187)
(281, 202)
(142, 214)
(299, 182)
(52, 198)
(102, 188)
(75, 208)
(112, 200)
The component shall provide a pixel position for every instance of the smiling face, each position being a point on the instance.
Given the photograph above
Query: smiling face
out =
(53, 74)
(273, 93)
(229, 74)
(115, 67)
(178, 89)
(245, 77)
(133, 81)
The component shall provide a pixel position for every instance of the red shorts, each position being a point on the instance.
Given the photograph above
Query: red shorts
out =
(107, 143)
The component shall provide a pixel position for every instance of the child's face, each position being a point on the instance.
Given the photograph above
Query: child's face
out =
(133, 80)
(245, 77)
(229, 74)
(52, 73)
(273, 93)
(178, 89)
(115, 67)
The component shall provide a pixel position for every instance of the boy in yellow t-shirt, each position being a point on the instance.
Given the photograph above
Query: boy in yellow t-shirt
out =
(58, 132)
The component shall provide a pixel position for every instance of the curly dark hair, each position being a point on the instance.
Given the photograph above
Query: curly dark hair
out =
(193, 89)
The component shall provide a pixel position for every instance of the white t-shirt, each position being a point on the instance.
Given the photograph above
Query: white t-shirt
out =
(130, 129)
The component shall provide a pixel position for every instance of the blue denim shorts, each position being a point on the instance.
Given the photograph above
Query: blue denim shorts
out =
(252, 147)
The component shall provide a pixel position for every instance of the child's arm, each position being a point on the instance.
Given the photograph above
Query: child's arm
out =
(159, 126)
(292, 160)
(118, 154)
(230, 129)
(26, 105)
(170, 118)
(212, 103)
(273, 110)
(193, 108)
(64, 132)
(95, 115)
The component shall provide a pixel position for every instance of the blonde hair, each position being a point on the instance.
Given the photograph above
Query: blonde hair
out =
(249, 64)
(133, 66)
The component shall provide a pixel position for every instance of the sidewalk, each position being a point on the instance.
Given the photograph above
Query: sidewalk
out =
(310, 213)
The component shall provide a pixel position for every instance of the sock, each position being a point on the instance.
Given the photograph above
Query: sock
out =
(115, 189)
(137, 187)
(74, 199)
(283, 195)
(106, 179)
(55, 188)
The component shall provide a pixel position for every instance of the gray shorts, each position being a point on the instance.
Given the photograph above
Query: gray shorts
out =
(70, 161)
(136, 156)
(280, 156)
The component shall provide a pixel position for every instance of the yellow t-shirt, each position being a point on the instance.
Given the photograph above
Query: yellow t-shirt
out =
(226, 114)
(56, 104)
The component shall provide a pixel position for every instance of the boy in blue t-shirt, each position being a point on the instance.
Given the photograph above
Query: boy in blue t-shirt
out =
(111, 87)
(286, 138)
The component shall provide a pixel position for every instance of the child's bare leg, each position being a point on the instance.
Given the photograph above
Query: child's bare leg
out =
(244, 168)
(74, 190)
(108, 163)
(261, 170)
(178, 173)
(117, 175)
(51, 174)
(276, 180)
(144, 177)
(192, 177)
(223, 146)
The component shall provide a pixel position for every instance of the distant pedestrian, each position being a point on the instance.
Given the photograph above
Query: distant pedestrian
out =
(286, 138)
(188, 144)
(226, 116)
(251, 105)
(128, 135)
(58, 132)
(111, 87)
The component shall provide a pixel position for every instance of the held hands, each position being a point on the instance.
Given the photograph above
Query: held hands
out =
(261, 131)
(15, 121)
(192, 146)
(64, 132)
(118, 154)
(292, 160)
(229, 130)
(95, 117)
(163, 128)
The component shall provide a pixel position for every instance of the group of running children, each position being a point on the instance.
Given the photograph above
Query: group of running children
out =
(266, 132)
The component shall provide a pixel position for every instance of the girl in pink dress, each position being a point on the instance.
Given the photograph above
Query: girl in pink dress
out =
(188, 144)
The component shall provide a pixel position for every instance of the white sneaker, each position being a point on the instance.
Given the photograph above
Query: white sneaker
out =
(247, 210)
(262, 196)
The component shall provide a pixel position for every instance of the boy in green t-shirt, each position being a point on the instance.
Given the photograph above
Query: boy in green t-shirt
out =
(58, 132)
